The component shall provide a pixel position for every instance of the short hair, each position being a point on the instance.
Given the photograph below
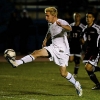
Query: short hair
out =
(52, 10)
(89, 12)
(76, 13)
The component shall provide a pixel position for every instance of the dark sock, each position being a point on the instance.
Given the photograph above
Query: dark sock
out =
(93, 77)
(76, 70)
(97, 69)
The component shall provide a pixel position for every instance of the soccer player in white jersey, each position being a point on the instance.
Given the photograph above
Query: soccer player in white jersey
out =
(58, 51)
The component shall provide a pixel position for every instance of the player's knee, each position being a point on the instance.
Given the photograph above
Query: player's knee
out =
(88, 67)
(63, 74)
(77, 60)
(71, 59)
(35, 53)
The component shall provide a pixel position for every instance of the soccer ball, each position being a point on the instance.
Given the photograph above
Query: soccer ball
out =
(10, 53)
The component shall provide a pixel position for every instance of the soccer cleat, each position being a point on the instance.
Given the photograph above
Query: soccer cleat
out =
(11, 61)
(78, 88)
(96, 87)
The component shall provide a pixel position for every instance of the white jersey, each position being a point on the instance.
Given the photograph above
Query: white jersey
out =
(59, 49)
(59, 35)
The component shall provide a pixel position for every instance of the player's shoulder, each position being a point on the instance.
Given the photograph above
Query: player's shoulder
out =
(62, 21)
(85, 28)
(72, 24)
(96, 26)
(82, 25)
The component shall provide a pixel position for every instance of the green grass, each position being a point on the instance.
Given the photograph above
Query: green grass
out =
(42, 81)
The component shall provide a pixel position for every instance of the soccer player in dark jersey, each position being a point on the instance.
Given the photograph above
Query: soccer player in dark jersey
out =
(74, 41)
(90, 37)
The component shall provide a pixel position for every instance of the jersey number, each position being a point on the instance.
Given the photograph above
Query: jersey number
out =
(75, 35)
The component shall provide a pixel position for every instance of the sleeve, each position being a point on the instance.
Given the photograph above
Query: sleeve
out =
(98, 44)
(98, 39)
(63, 22)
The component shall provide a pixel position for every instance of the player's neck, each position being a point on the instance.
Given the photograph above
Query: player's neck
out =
(77, 23)
(54, 20)
(90, 24)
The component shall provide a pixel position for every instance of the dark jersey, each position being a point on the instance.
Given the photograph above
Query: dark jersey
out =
(90, 35)
(74, 38)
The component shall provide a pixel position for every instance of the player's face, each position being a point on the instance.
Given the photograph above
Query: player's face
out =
(49, 17)
(89, 18)
(76, 17)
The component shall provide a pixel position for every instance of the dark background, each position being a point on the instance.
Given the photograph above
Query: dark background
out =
(25, 39)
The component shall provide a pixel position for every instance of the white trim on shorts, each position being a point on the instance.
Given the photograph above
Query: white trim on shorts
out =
(78, 55)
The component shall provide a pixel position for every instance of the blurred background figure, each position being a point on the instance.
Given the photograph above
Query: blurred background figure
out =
(98, 19)
(12, 31)
(25, 24)
(68, 17)
(74, 41)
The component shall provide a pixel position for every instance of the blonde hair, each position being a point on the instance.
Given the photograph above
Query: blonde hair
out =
(53, 11)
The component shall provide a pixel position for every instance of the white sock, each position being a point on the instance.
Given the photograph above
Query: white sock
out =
(26, 59)
(70, 78)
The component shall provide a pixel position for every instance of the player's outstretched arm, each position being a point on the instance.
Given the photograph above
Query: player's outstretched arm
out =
(47, 37)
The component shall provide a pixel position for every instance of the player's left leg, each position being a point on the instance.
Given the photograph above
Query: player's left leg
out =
(71, 79)
(28, 58)
(89, 69)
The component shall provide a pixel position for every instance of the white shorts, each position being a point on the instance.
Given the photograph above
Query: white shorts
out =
(58, 56)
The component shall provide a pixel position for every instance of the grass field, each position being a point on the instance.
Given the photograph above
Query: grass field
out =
(42, 81)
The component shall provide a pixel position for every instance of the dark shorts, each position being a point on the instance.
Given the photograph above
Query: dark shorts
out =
(91, 56)
(75, 50)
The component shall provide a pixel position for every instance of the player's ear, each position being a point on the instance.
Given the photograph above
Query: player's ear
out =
(93, 19)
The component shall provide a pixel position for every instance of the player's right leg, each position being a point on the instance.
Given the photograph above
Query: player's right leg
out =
(28, 58)
(71, 79)
(77, 64)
